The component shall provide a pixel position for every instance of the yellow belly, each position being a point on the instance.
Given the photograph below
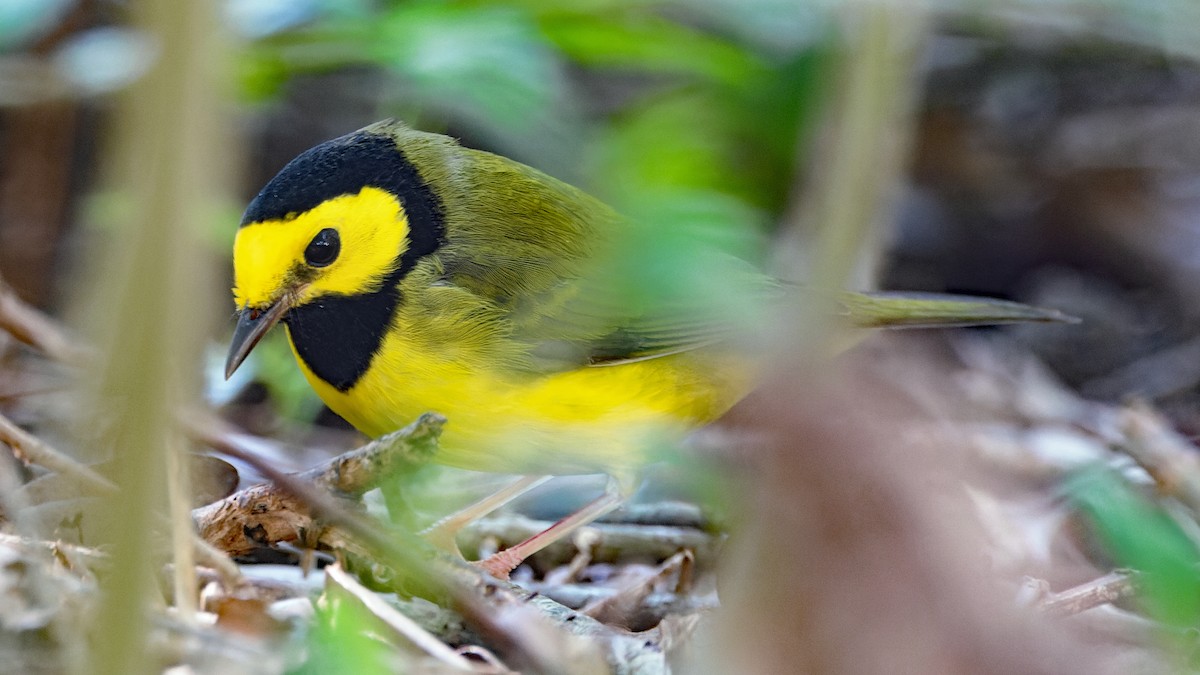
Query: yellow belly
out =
(595, 419)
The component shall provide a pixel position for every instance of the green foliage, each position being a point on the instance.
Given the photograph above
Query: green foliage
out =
(1140, 535)
(274, 365)
(487, 67)
(648, 43)
(698, 98)
(343, 642)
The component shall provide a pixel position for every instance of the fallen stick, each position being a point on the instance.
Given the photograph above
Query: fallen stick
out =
(1105, 590)
(614, 541)
(29, 448)
(271, 513)
(33, 328)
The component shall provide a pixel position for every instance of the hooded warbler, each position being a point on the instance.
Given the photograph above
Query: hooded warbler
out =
(414, 274)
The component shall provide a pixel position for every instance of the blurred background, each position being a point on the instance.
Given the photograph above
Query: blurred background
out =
(1046, 152)
(1053, 145)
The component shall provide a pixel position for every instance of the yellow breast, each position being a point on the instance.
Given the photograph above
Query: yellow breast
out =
(591, 419)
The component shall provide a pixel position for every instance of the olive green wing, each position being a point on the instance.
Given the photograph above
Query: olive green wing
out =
(601, 328)
(549, 257)
(555, 261)
(682, 327)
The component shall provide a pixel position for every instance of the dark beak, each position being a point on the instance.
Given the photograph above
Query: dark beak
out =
(252, 325)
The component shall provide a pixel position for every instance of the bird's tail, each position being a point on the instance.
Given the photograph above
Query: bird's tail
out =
(886, 309)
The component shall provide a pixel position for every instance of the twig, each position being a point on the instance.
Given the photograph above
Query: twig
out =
(620, 607)
(1107, 589)
(485, 656)
(584, 540)
(665, 513)
(675, 630)
(653, 609)
(539, 635)
(31, 449)
(33, 328)
(1166, 455)
(208, 554)
(290, 506)
(70, 554)
(351, 473)
(615, 541)
(308, 493)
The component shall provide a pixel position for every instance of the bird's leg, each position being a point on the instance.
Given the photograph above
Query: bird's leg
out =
(443, 532)
(501, 563)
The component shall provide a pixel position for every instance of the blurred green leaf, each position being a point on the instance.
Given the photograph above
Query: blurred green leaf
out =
(773, 115)
(492, 58)
(690, 249)
(743, 141)
(647, 42)
(274, 365)
(1141, 536)
(699, 96)
(677, 140)
(342, 642)
(260, 74)
(487, 67)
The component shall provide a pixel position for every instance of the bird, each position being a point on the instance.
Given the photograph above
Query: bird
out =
(415, 274)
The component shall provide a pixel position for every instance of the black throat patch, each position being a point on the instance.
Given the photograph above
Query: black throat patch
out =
(337, 336)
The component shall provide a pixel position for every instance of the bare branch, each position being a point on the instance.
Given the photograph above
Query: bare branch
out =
(288, 509)
(1107, 589)
(32, 327)
(32, 449)
(614, 541)
(1166, 455)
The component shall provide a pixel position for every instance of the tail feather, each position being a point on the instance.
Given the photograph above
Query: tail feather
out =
(885, 309)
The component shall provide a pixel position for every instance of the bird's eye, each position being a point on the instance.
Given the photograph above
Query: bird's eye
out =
(324, 248)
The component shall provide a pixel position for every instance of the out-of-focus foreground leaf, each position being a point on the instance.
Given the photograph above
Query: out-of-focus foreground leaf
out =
(1140, 535)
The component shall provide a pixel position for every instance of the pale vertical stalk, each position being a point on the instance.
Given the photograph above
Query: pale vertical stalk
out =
(856, 173)
(837, 222)
(153, 296)
(179, 483)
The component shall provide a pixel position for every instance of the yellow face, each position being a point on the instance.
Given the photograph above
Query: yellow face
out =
(275, 258)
